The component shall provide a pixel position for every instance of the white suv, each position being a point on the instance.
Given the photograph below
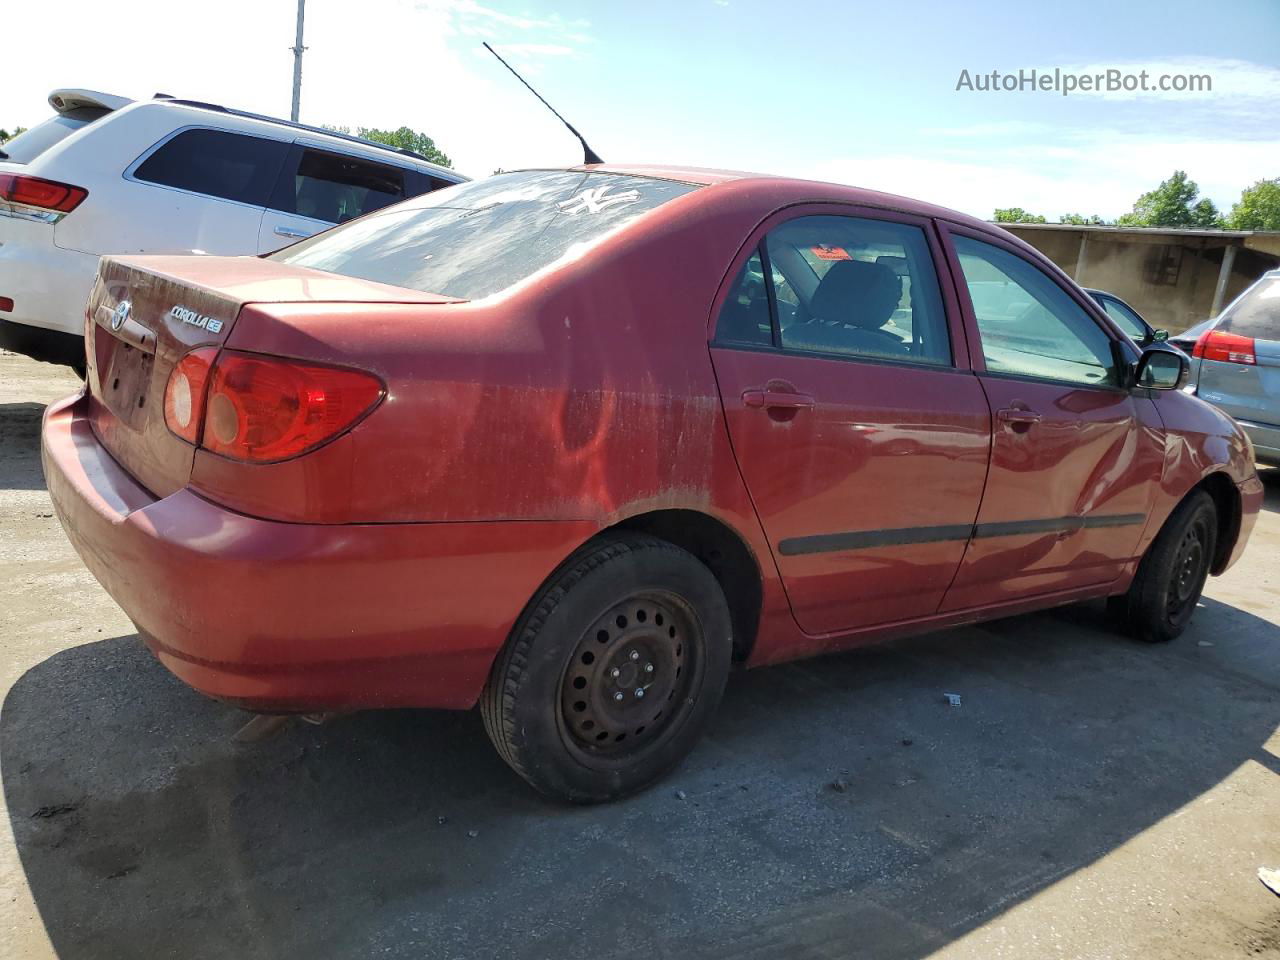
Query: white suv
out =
(109, 175)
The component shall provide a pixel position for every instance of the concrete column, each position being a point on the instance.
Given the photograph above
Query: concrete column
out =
(1084, 248)
(1224, 274)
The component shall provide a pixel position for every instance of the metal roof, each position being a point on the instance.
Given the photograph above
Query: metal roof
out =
(1142, 231)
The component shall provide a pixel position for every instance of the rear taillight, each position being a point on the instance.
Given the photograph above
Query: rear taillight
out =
(1225, 347)
(260, 409)
(184, 393)
(40, 199)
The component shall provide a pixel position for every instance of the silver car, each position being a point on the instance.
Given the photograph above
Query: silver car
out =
(1235, 363)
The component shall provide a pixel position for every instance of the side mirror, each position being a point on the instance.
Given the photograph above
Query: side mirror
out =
(1159, 336)
(1162, 368)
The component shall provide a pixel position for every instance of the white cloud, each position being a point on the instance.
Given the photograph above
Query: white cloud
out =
(1229, 80)
(1101, 172)
(470, 10)
(538, 49)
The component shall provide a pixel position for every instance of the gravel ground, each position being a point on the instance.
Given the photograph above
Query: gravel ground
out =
(1091, 797)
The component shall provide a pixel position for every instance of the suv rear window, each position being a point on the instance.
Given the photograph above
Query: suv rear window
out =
(231, 166)
(476, 239)
(29, 144)
(1257, 313)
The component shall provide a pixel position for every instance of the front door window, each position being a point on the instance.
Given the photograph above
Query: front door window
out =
(1030, 327)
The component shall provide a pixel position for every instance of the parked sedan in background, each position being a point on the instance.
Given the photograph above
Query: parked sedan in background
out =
(108, 175)
(568, 443)
(1236, 363)
(1128, 319)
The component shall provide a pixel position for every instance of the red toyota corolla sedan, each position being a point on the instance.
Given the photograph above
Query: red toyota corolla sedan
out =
(569, 443)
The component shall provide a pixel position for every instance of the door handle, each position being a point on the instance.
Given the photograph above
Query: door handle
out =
(776, 399)
(282, 231)
(1018, 417)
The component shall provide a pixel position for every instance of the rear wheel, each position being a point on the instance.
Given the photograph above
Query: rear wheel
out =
(613, 672)
(1171, 576)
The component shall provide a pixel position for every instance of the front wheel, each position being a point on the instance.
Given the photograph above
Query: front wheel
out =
(1171, 576)
(613, 672)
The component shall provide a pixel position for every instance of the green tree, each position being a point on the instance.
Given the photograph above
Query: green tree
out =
(1016, 215)
(5, 135)
(1259, 207)
(1080, 221)
(1173, 204)
(405, 139)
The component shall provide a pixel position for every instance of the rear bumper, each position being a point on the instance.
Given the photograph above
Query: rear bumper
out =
(296, 617)
(47, 284)
(1265, 438)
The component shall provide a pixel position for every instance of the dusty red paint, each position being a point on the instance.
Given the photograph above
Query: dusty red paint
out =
(388, 566)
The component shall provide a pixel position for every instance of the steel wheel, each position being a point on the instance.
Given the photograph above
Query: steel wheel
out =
(1162, 598)
(629, 677)
(1188, 572)
(613, 671)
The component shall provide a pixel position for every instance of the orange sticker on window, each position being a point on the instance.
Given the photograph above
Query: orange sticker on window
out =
(830, 253)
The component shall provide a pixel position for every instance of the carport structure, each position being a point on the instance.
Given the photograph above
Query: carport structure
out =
(1173, 277)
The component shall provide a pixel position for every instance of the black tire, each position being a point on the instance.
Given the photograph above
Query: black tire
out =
(618, 605)
(1171, 576)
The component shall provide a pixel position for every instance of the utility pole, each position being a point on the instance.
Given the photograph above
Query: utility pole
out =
(297, 64)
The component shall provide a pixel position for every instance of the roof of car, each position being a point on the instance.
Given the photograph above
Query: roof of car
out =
(803, 190)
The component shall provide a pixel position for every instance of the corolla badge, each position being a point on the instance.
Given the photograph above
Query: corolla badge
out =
(120, 314)
(187, 315)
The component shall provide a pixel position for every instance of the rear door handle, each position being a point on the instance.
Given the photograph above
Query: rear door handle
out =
(776, 399)
(1018, 416)
(290, 232)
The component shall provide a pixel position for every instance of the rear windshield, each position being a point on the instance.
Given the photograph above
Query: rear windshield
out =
(29, 144)
(476, 239)
(1257, 313)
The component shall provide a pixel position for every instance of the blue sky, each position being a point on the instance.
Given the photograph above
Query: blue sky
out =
(854, 92)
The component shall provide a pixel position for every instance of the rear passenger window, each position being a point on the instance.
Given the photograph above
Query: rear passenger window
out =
(337, 188)
(863, 288)
(1257, 313)
(218, 163)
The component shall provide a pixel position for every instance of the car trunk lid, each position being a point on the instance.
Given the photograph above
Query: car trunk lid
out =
(146, 313)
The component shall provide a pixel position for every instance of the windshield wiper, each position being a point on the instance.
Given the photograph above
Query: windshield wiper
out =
(3, 155)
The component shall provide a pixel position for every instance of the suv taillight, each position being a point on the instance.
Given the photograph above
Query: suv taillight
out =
(1225, 347)
(51, 200)
(260, 409)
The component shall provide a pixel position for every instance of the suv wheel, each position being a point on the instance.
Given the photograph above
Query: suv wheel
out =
(613, 672)
(1171, 576)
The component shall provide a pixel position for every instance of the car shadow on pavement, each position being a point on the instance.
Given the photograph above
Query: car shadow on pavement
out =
(838, 806)
(20, 446)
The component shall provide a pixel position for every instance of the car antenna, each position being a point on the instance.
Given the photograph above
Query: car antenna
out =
(588, 155)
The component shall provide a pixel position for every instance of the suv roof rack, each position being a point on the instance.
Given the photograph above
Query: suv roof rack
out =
(200, 104)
